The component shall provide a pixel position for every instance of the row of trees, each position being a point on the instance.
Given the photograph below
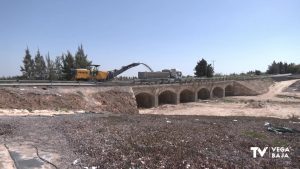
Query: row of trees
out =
(203, 69)
(42, 68)
(275, 68)
(282, 68)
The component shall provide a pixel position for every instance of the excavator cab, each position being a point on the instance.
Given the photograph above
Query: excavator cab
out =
(98, 75)
(94, 70)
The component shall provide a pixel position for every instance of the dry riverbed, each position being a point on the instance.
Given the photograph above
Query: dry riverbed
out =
(151, 141)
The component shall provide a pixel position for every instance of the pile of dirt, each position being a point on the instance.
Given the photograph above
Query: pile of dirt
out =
(35, 100)
(116, 101)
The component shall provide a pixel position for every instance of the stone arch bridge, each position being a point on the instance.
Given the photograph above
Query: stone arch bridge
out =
(148, 96)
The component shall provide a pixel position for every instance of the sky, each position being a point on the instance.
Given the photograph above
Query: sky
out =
(237, 35)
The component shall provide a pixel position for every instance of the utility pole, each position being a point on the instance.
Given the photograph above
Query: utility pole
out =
(213, 62)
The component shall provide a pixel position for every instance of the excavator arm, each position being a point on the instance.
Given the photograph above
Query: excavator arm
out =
(112, 74)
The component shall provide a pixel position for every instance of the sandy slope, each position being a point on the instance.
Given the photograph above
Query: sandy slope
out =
(276, 89)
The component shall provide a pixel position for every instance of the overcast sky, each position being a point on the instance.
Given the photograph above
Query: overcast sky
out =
(240, 35)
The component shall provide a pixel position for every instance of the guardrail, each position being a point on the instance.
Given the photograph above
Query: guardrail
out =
(196, 80)
(127, 82)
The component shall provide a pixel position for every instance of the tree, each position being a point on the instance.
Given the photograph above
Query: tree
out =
(210, 71)
(81, 60)
(201, 68)
(273, 68)
(251, 72)
(297, 69)
(28, 65)
(58, 67)
(281, 68)
(258, 72)
(293, 68)
(51, 75)
(255, 72)
(40, 70)
(285, 67)
(68, 65)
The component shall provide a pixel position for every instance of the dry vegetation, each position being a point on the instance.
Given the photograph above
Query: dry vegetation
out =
(156, 141)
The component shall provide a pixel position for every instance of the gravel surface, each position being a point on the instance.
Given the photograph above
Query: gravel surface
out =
(154, 141)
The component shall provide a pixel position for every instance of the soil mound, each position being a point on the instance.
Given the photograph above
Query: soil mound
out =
(116, 101)
(35, 100)
(73, 100)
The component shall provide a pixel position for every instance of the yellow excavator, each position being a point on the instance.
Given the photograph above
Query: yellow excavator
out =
(94, 74)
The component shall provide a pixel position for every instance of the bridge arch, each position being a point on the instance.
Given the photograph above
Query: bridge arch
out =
(203, 94)
(229, 90)
(218, 92)
(167, 97)
(187, 95)
(145, 100)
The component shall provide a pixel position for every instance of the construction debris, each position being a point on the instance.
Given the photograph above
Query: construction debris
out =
(280, 130)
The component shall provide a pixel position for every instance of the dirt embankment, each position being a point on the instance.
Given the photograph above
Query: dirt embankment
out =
(33, 100)
(278, 91)
(57, 99)
(114, 101)
(252, 87)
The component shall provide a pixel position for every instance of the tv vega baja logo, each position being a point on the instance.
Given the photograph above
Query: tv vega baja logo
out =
(273, 152)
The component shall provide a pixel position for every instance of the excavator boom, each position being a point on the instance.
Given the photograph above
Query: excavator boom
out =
(112, 74)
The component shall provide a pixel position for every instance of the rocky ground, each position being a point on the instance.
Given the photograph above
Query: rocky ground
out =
(153, 141)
